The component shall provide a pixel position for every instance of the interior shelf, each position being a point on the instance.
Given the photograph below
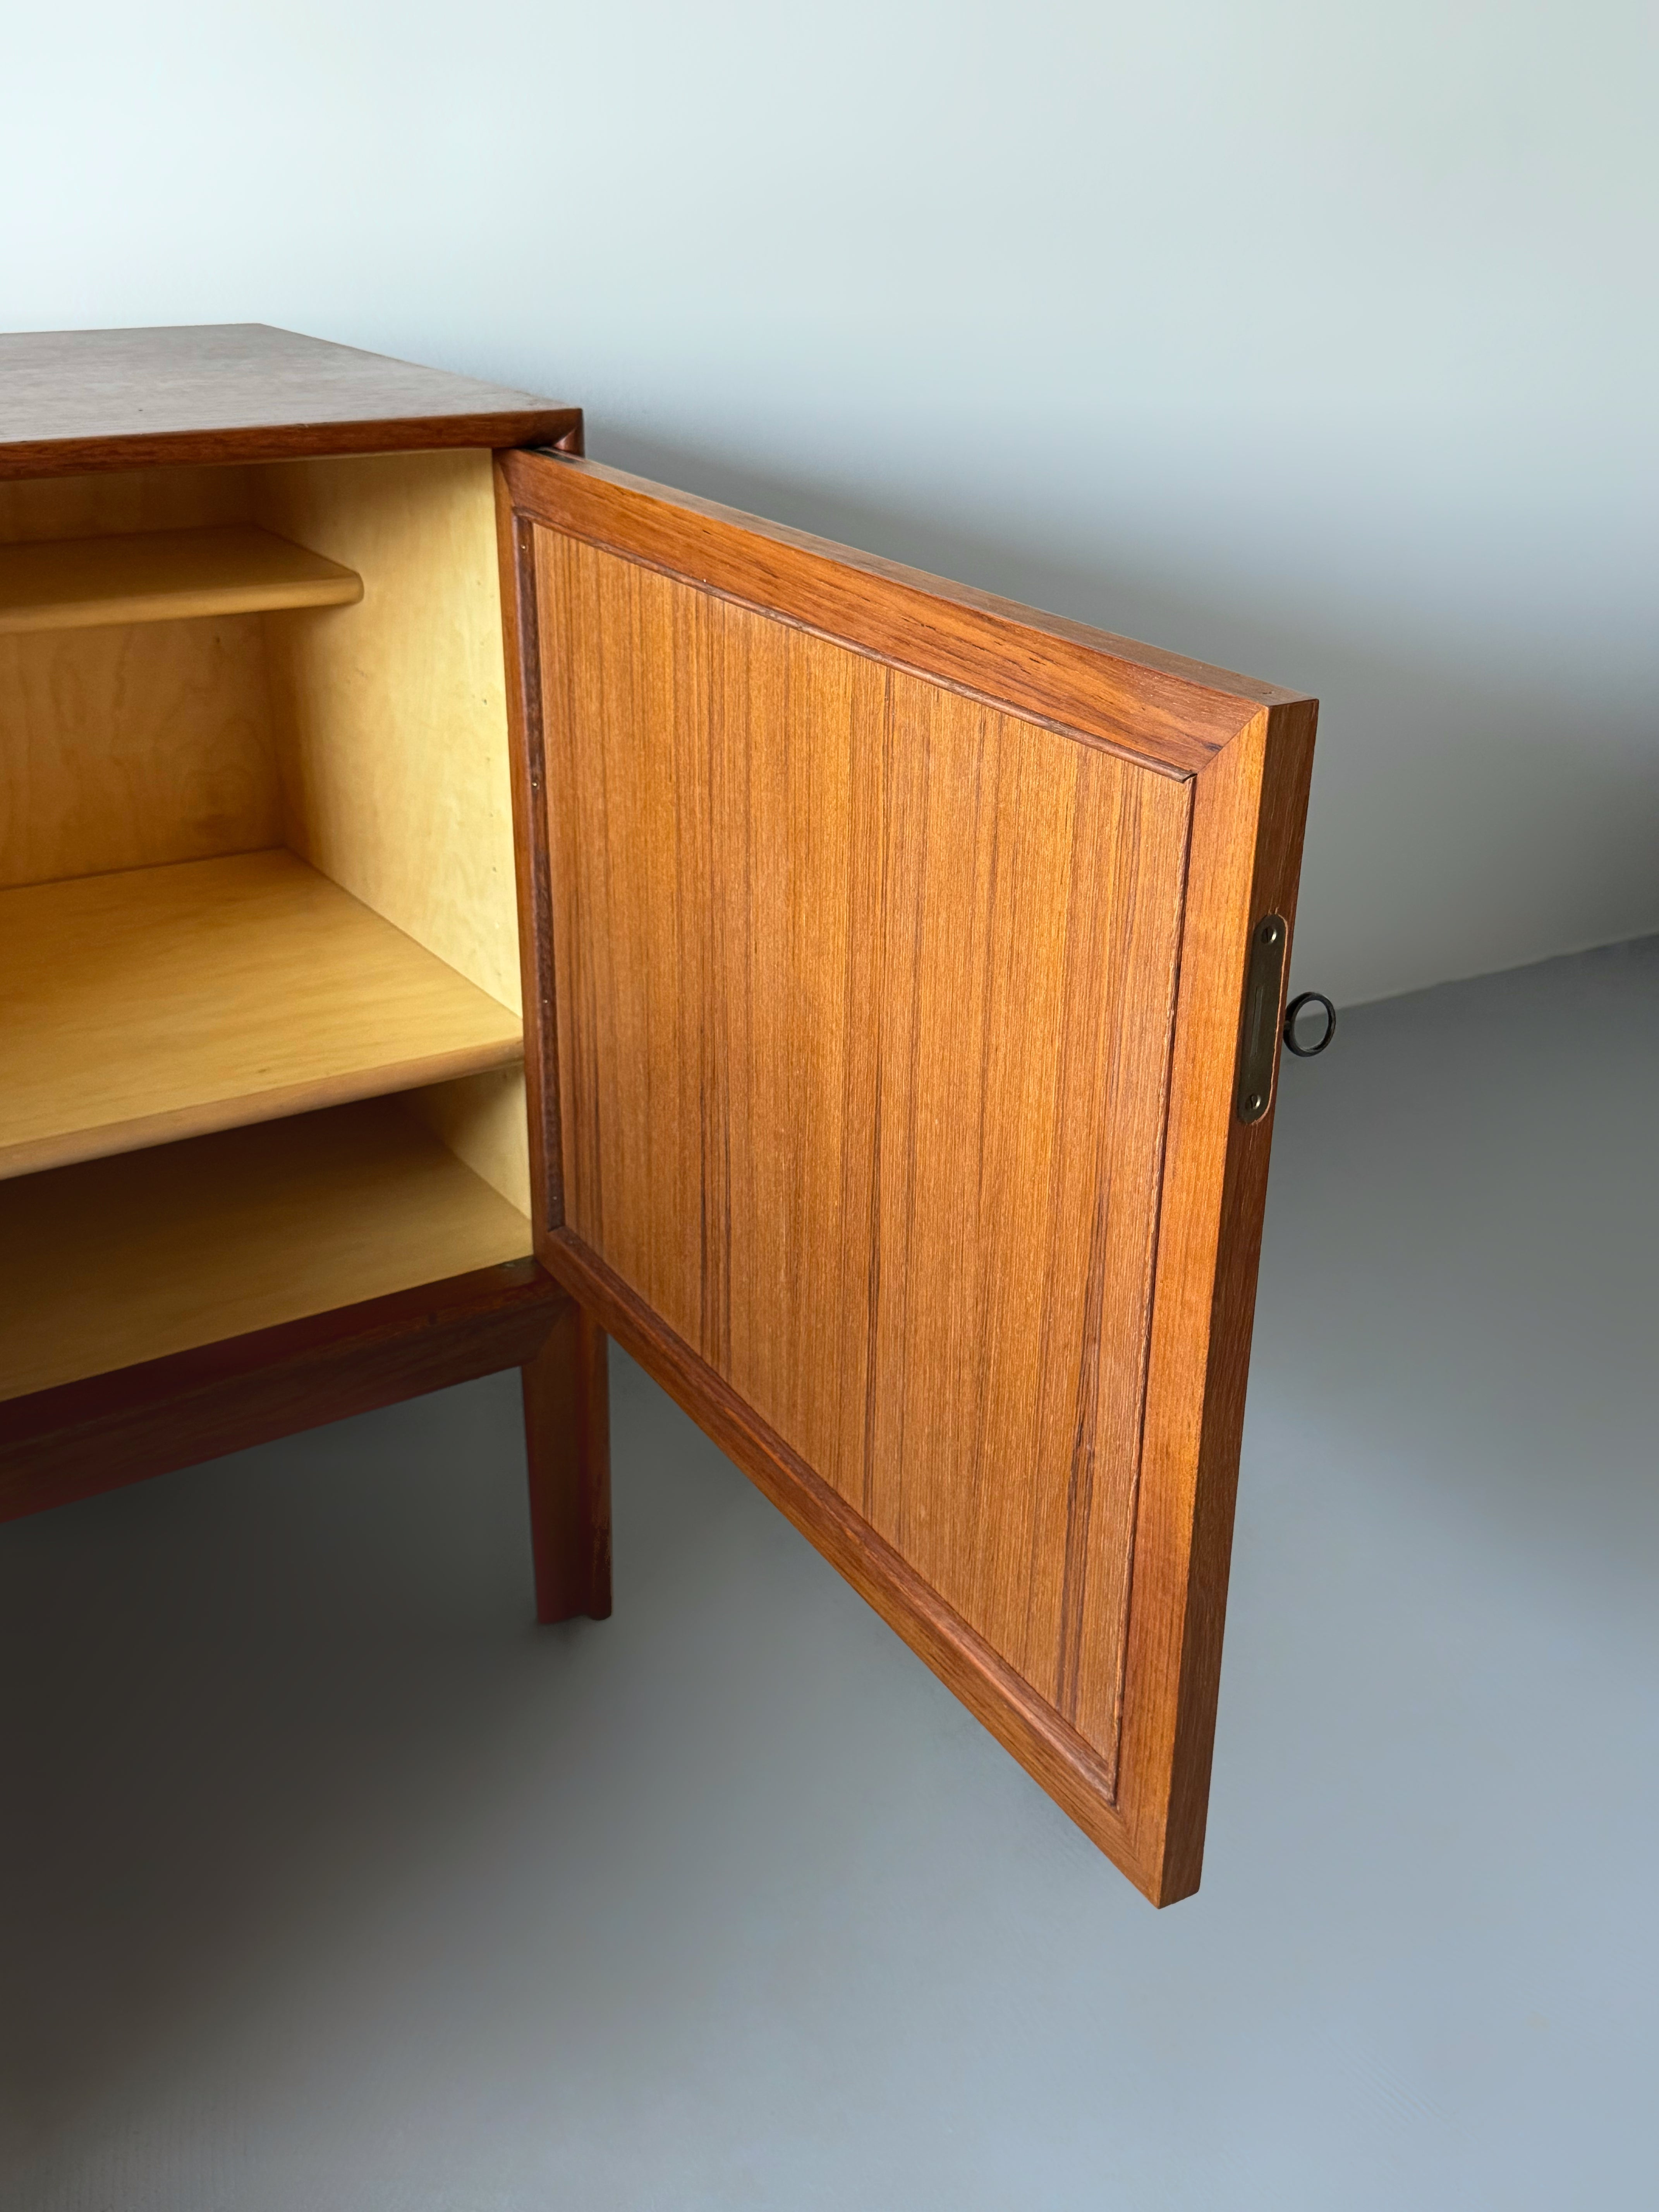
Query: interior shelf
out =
(164, 575)
(162, 1003)
(124, 1260)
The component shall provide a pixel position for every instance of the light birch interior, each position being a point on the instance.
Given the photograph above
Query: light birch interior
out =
(247, 701)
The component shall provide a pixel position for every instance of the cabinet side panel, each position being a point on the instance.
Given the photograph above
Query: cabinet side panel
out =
(391, 716)
(864, 994)
(483, 1120)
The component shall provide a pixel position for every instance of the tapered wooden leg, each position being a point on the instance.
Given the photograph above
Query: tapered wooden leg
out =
(567, 1429)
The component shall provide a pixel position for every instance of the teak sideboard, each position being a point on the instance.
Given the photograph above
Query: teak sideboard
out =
(458, 902)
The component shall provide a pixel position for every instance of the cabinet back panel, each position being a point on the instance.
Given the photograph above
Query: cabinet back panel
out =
(483, 1121)
(136, 744)
(110, 507)
(132, 746)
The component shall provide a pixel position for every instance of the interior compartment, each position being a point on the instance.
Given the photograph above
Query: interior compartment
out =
(107, 1266)
(256, 848)
(163, 1002)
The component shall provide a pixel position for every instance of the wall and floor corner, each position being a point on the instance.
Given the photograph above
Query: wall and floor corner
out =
(326, 1879)
(1310, 343)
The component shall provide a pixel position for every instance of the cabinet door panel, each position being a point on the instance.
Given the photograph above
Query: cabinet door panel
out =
(887, 951)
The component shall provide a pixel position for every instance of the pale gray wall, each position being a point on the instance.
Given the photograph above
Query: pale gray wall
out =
(1318, 339)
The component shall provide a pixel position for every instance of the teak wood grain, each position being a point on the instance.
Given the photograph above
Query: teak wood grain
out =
(567, 1426)
(886, 1021)
(1158, 708)
(161, 1003)
(849, 961)
(133, 1422)
(75, 401)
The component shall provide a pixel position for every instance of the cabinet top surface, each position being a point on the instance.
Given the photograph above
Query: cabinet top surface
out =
(72, 401)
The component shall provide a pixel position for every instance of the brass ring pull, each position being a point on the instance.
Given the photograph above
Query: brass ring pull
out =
(1292, 1013)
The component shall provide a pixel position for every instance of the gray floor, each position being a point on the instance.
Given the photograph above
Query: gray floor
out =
(330, 1883)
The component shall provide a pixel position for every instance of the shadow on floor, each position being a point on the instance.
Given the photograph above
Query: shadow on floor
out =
(328, 1881)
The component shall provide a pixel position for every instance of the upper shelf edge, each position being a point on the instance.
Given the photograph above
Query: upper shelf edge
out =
(163, 575)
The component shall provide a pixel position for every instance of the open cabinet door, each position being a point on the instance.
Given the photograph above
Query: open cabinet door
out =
(905, 997)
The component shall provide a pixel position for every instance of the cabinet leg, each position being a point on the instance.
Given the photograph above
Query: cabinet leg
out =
(567, 1430)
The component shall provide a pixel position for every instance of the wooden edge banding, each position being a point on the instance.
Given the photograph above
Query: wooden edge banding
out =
(527, 756)
(566, 1390)
(1072, 1774)
(1155, 709)
(285, 441)
(1248, 812)
(82, 1437)
(176, 606)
